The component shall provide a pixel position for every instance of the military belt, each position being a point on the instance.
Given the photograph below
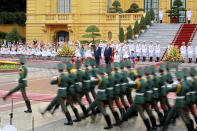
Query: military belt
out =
(78, 83)
(24, 79)
(155, 89)
(123, 84)
(150, 91)
(62, 88)
(180, 97)
(101, 90)
(192, 92)
(111, 88)
(139, 94)
(188, 93)
(163, 86)
(72, 86)
(86, 80)
(117, 85)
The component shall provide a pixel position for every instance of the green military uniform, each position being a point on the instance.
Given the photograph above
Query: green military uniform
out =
(180, 89)
(101, 96)
(148, 96)
(156, 94)
(22, 84)
(62, 82)
(138, 104)
(86, 76)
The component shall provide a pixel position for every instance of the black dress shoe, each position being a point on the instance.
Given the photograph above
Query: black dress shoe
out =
(28, 111)
(68, 123)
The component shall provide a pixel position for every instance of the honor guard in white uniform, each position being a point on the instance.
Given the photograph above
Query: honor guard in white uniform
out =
(138, 50)
(157, 51)
(161, 15)
(151, 51)
(125, 52)
(189, 15)
(144, 50)
(88, 52)
(183, 50)
(190, 51)
(196, 53)
(131, 47)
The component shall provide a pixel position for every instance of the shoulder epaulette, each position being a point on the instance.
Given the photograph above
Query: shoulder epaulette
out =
(178, 88)
(135, 72)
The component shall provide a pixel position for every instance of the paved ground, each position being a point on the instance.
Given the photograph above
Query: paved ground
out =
(38, 85)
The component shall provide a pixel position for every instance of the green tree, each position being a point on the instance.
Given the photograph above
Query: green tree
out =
(13, 35)
(134, 8)
(116, 7)
(121, 34)
(152, 14)
(174, 12)
(136, 28)
(129, 32)
(142, 23)
(92, 31)
(148, 18)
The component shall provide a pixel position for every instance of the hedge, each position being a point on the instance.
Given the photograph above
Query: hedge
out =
(13, 18)
(2, 35)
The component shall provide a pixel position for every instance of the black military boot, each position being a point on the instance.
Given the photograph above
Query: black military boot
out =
(70, 122)
(165, 126)
(196, 60)
(138, 58)
(109, 125)
(78, 118)
(191, 125)
(160, 115)
(144, 59)
(84, 111)
(117, 118)
(28, 107)
(153, 122)
(147, 124)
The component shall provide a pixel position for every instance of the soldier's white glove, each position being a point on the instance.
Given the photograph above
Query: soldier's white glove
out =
(130, 81)
(189, 78)
(93, 79)
(54, 77)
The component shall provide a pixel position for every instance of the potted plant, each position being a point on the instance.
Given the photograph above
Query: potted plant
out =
(134, 8)
(174, 12)
(136, 29)
(148, 19)
(116, 7)
(129, 32)
(142, 24)
(152, 14)
(121, 34)
(174, 57)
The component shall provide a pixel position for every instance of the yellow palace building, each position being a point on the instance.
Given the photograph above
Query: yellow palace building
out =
(63, 20)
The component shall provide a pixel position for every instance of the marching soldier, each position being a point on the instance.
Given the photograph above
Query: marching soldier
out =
(157, 51)
(148, 97)
(138, 50)
(189, 14)
(93, 74)
(62, 81)
(101, 96)
(151, 51)
(180, 88)
(183, 50)
(22, 84)
(140, 85)
(156, 94)
(190, 50)
(144, 51)
(161, 15)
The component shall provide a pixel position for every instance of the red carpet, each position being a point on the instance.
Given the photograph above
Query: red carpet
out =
(185, 34)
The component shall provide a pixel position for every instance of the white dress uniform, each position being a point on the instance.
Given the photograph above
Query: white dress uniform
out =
(138, 51)
(190, 51)
(88, 52)
(144, 51)
(183, 50)
(131, 48)
(125, 52)
(196, 53)
(189, 15)
(160, 16)
(77, 52)
(157, 52)
(151, 52)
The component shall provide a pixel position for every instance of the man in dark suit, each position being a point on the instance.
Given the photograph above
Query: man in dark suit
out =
(97, 54)
(108, 54)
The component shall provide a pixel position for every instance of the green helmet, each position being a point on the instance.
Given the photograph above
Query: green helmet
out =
(185, 72)
(108, 69)
(61, 66)
(69, 65)
(101, 69)
(122, 64)
(168, 65)
(22, 60)
(128, 63)
(193, 71)
(179, 75)
(92, 62)
(140, 72)
(153, 69)
(147, 70)
(116, 65)
(78, 64)
(162, 67)
(87, 62)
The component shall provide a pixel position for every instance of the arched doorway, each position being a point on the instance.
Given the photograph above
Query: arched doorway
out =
(183, 13)
(148, 4)
(62, 36)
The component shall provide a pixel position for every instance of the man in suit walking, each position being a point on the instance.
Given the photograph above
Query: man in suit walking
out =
(108, 54)
(97, 54)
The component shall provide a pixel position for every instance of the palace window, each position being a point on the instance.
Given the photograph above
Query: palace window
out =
(108, 5)
(63, 6)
